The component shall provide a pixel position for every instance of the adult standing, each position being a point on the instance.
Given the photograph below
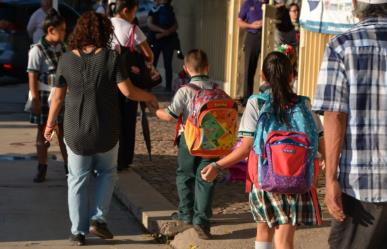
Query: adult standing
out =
(250, 19)
(351, 93)
(124, 14)
(35, 24)
(101, 7)
(89, 77)
(163, 25)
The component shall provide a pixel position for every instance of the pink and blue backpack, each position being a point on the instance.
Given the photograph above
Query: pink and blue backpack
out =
(283, 158)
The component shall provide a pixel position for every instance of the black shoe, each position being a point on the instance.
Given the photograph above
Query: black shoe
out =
(78, 240)
(41, 175)
(100, 229)
(203, 232)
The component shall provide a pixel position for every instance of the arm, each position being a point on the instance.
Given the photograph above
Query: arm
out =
(244, 25)
(55, 107)
(154, 27)
(31, 26)
(163, 115)
(335, 124)
(146, 51)
(34, 90)
(134, 93)
(209, 173)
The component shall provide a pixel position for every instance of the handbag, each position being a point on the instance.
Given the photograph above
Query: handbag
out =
(148, 77)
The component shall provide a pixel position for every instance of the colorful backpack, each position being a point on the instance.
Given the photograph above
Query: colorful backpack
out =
(210, 129)
(283, 156)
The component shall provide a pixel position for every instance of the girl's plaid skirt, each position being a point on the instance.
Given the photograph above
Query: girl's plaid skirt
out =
(42, 118)
(279, 209)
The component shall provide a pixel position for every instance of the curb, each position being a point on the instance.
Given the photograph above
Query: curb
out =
(148, 206)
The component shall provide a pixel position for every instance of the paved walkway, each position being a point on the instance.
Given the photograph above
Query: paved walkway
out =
(35, 215)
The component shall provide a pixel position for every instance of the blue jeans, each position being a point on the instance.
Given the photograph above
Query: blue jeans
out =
(80, 171)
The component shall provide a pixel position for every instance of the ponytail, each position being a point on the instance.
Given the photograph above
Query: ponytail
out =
(277, 70)
(120, 5)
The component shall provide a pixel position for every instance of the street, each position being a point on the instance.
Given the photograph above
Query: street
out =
(35, 215)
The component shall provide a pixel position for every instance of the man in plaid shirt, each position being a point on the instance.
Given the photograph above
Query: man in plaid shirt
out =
(352, 94)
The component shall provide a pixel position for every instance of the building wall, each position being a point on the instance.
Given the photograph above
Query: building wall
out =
(312, 47)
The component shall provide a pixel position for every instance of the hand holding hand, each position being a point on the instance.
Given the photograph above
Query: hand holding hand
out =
(256, 25)
(153, 104)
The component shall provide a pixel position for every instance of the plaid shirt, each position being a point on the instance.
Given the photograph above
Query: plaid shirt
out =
(353, 80)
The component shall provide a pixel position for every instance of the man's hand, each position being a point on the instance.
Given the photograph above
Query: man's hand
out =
(209, 173)
(333, 200)
(256, 25)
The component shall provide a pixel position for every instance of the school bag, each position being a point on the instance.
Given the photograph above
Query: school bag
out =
(283, 156)
(210, 129)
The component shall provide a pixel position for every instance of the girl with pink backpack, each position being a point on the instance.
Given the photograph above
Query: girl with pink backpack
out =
(272, 165)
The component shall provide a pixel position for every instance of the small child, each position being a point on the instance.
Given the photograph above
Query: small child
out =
(276, 214)
(195, 194)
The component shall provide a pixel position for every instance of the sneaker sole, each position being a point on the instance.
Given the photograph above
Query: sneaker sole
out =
(100, 235)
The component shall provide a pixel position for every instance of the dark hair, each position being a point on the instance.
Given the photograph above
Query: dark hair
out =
(196, 60)
(277, 69)
(284, 22)
(53, 19)
(294, 4)
(120, 5)
(91, 29)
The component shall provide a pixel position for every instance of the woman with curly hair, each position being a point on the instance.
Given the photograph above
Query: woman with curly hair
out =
(89, 77)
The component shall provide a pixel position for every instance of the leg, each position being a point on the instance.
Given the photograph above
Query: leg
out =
(264, 238)
(80, 168)
(252, 51)
(364, 227)
(41, 146)
(62, 145)
(128, 133)
(185, 180)
(105, 164)
(168, 57)
(41, 149)
(156, 53)
(284, 236)
(204, 192)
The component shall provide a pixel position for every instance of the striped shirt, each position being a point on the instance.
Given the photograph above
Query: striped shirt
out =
(353, 80)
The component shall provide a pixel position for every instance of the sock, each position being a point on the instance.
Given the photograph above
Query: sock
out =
(263, 245)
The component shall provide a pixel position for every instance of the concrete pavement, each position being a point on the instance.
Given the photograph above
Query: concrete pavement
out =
(35, 215)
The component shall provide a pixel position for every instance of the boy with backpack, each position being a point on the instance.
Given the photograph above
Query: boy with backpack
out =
(207, 130)
(281, 136)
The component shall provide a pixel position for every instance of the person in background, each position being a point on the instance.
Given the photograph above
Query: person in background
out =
(101, 7)
(250, 19)
(124, 13)
(285, 32)
(42, 63)
(89, 77)
(294, 12)
(351, 93)
(163, 25)
(35, 24)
